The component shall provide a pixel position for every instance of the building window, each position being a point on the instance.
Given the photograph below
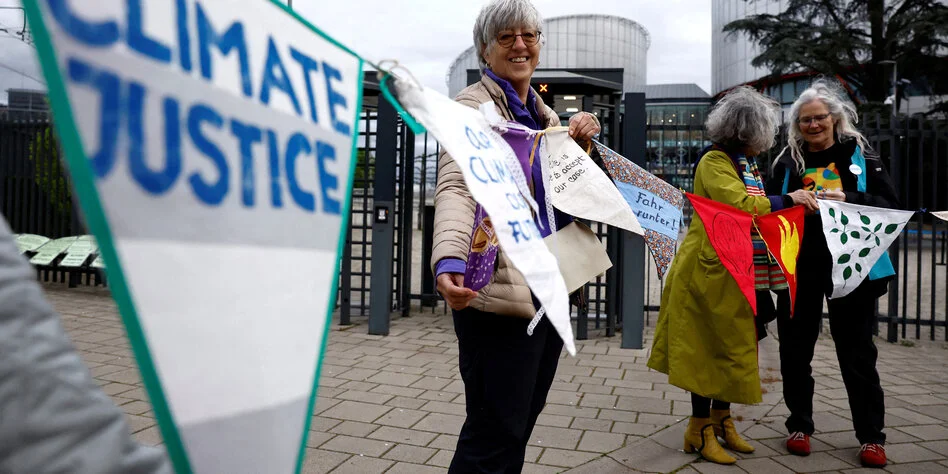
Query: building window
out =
(787, 95)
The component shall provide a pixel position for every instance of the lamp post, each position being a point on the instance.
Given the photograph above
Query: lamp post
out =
(895, 166)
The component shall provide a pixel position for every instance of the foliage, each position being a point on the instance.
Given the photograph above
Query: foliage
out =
(49, 173)
(365, 169)
(850, 39)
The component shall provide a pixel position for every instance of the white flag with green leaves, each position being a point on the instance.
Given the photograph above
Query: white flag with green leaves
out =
(857, 236)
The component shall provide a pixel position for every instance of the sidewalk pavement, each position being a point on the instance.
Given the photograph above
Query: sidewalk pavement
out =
(395, 404)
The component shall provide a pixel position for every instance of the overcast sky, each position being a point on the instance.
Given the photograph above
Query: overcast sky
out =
(427, 35)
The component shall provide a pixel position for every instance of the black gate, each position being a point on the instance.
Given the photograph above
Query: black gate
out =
(36, 195)
(356, 269)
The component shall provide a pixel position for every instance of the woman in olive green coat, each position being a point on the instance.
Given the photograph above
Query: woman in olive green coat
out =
(706, 339)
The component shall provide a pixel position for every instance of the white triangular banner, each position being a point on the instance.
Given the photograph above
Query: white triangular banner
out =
(943, 215)
(217, 187)
(483, 157)
(580, 188)
(857, 236)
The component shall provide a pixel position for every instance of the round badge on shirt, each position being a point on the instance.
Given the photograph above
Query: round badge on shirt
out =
(855, 169)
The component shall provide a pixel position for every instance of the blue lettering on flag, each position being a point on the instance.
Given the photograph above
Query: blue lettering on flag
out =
(128, 109)
(653, 212)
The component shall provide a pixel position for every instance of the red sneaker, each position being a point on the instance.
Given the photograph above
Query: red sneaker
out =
(872, 455)
(799, 443)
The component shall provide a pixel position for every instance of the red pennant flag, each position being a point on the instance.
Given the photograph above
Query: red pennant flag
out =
(729, 230)
(782, 231)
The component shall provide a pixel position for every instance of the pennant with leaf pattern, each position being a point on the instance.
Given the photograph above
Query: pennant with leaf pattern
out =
(857, 236)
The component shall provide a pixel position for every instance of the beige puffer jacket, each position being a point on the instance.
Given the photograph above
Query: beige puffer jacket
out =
(507, 293)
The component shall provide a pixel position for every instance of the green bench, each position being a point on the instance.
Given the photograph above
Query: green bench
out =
(74, 256)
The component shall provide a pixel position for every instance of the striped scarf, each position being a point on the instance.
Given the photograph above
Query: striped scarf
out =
(767, 273)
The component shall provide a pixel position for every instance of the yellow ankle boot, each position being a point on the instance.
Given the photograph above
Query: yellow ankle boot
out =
(724, 428)
(700, 437)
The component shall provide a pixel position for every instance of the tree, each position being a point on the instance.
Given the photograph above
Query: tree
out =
(48, 171)
(364, 170)
(850, 39)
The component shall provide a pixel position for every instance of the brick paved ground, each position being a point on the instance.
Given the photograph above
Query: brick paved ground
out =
(394, 404)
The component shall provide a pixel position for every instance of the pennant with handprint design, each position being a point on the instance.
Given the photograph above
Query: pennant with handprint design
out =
(782, 231)
(857, 236)
(729, 229)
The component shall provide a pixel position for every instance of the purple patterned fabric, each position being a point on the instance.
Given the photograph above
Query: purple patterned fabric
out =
(483, 254)
(482, 257)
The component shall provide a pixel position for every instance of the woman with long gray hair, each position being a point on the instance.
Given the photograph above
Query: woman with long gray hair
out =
(827, 156)
(706, 339)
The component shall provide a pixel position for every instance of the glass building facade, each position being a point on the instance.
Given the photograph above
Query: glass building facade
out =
(675, 134)
(731, 55)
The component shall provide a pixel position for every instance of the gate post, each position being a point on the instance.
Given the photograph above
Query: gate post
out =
(406, 229)
(895, 165)
(632, 292)
(428, 295)
(383, 220)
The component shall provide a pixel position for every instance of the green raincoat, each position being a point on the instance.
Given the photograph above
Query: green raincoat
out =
(705, 339)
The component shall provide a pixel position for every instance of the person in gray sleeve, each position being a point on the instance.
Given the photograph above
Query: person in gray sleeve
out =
(53, 416)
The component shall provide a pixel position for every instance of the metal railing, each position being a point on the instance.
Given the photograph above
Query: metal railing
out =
(35, 197)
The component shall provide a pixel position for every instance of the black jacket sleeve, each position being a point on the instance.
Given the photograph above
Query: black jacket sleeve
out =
(880, 189)
(774, 184)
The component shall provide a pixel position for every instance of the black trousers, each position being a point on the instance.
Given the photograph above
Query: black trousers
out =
(507, 376)
(852, 319)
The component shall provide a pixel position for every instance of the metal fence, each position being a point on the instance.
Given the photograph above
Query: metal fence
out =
(35, 193)
(35, 197)
(356, 266)
(917, 151)
(356, 269)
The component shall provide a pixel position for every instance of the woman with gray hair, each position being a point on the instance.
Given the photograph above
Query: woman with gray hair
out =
(706, 340)
(507, 374)
(827, 156)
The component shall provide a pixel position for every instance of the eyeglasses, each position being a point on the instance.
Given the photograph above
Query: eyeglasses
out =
(530, 38)
(815, 118)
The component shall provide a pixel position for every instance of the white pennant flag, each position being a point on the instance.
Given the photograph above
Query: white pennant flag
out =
(580, 188)
(857, 236)
(943, 215)
(483, 157)
(217, 186)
